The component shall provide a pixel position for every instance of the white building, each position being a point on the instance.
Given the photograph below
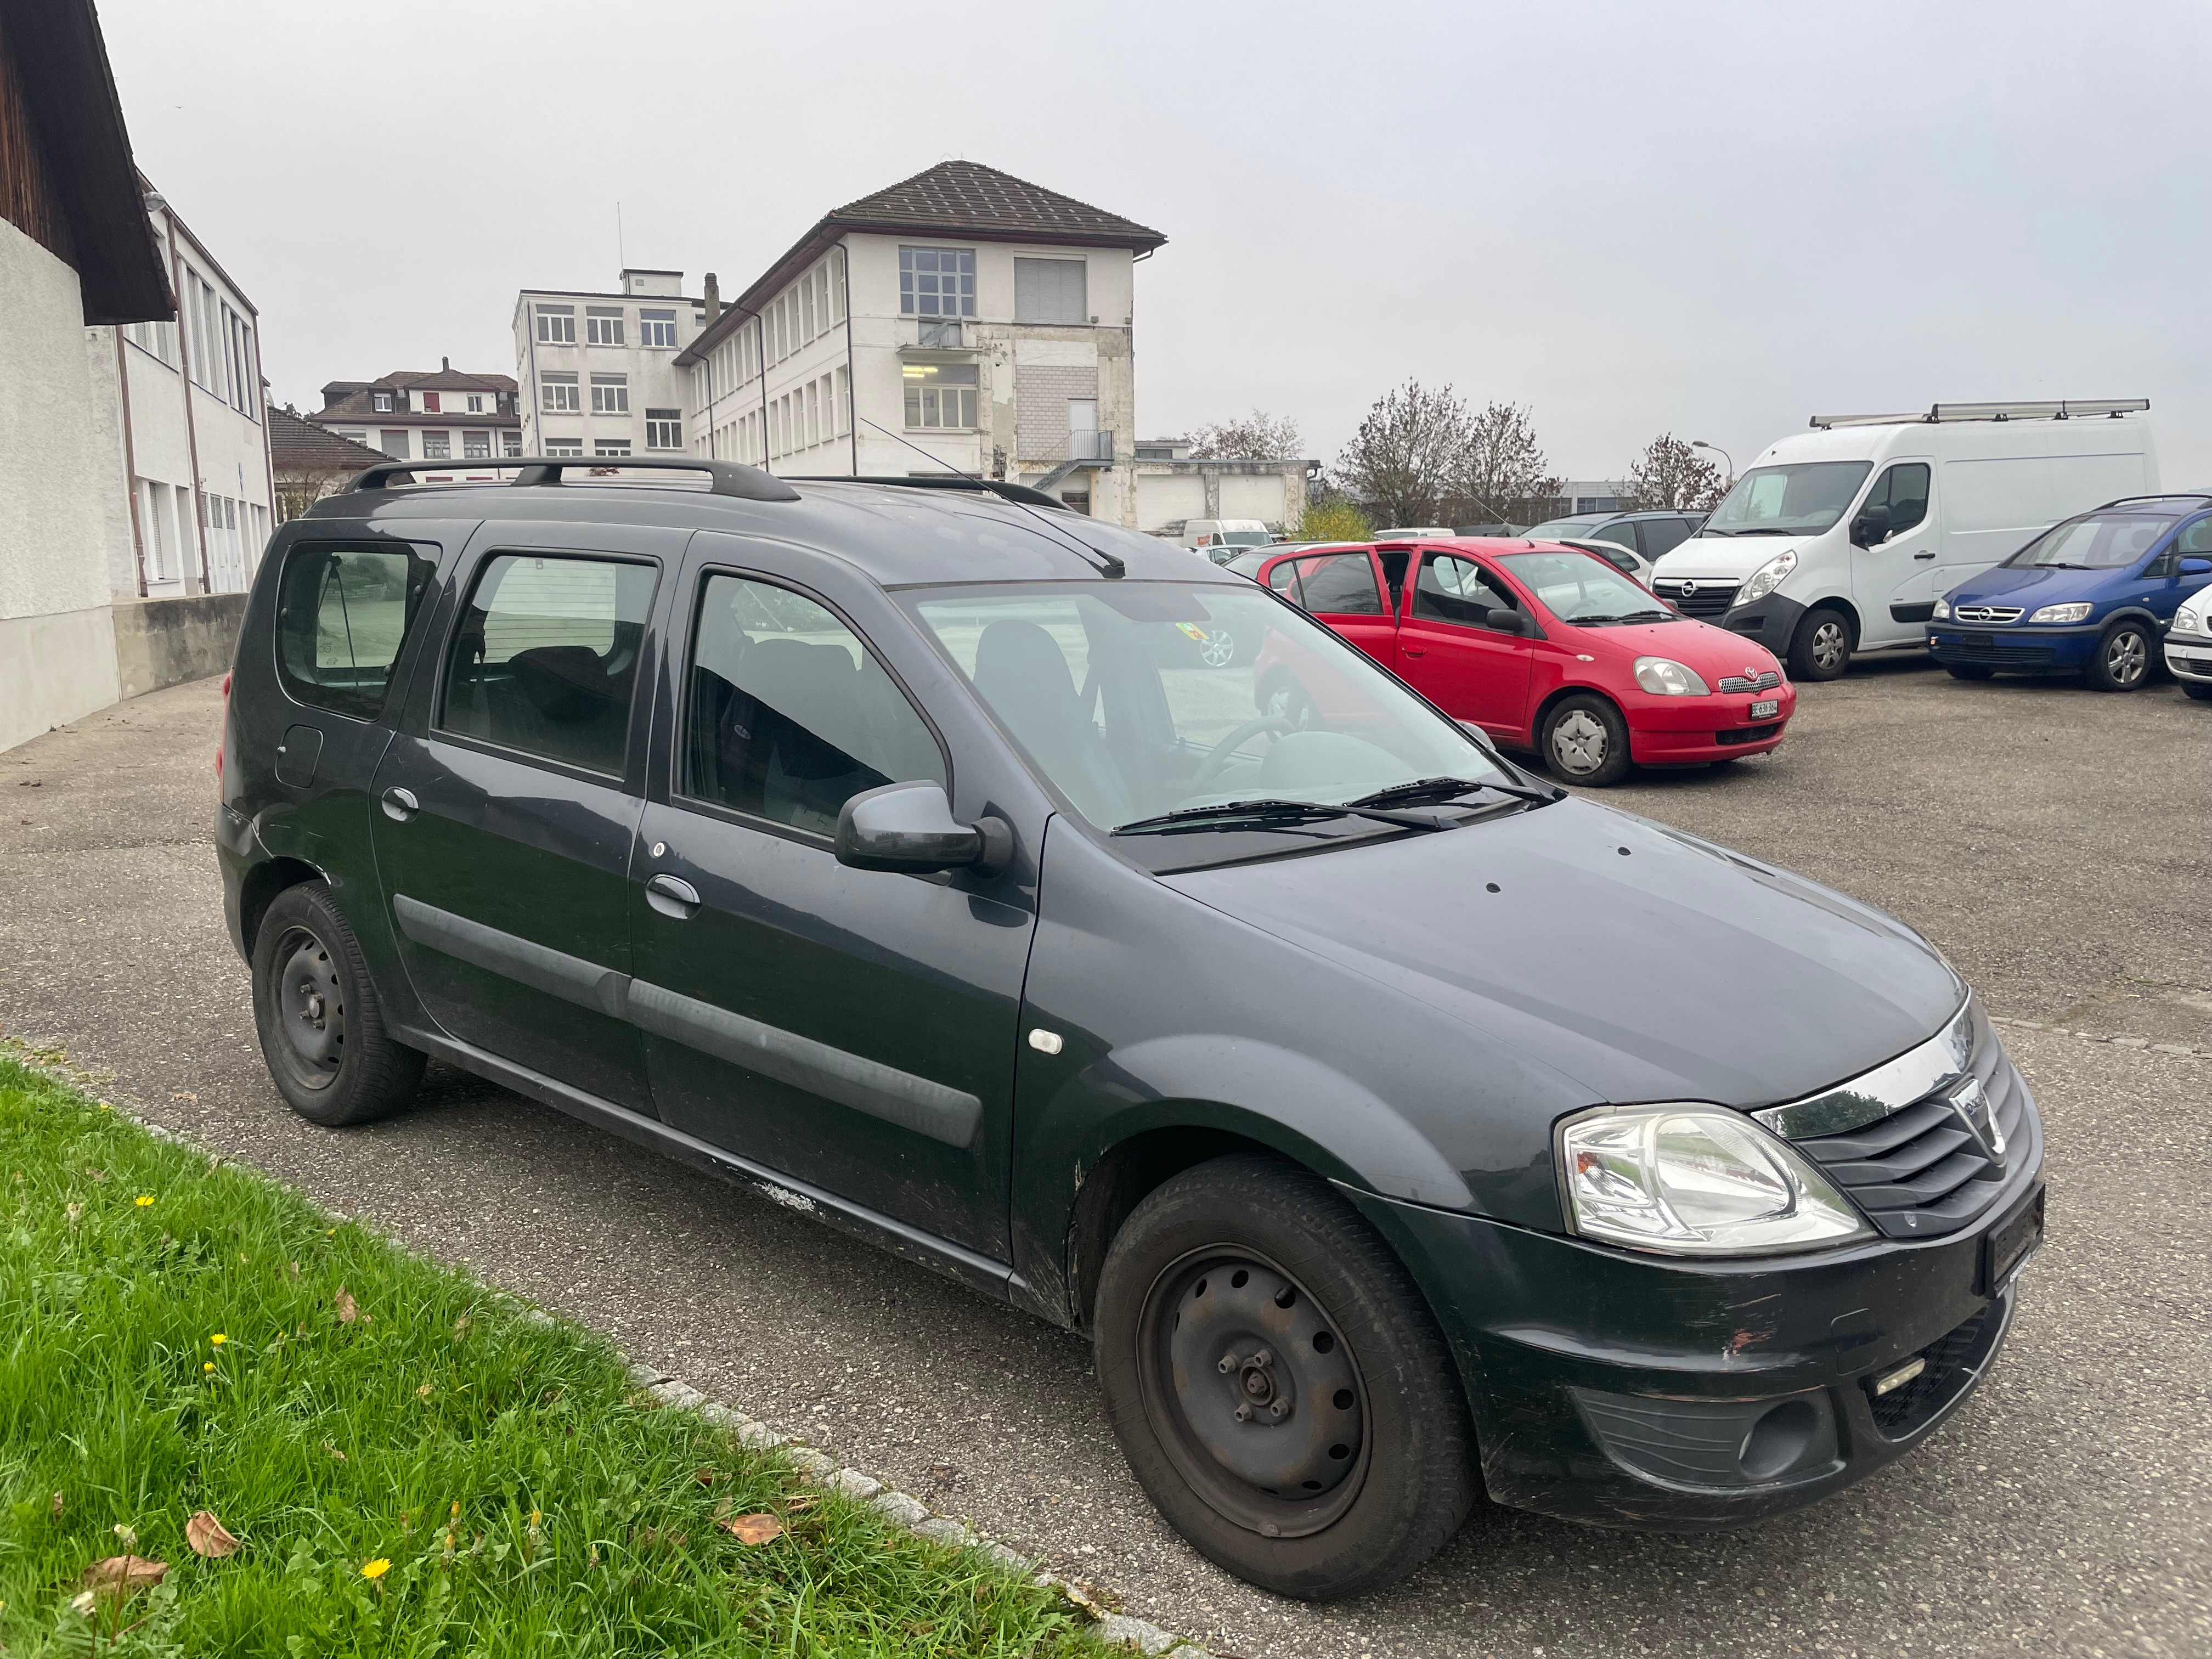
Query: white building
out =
(443, 414)
(963, 318)
(597, 371)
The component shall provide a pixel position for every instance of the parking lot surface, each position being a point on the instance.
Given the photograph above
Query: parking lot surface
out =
(2053, 841)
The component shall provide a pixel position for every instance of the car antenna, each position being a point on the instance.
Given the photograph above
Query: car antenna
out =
(1109, 564)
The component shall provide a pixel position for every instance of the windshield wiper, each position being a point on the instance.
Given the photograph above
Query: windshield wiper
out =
(1287, 814)
(1768, 530)
(1436, 791)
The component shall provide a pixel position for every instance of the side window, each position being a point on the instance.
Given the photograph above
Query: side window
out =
(1453, 590)
(2194, 541)
(1340, 584)
(1621, 535)
(342, 614)
(1663, 535)
(788, 714)
(546, 657)
(1904, 490)
(1284, 579)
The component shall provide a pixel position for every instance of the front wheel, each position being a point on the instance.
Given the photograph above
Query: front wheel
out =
(2123, 659)
(1584, 740)
(2196, 690)
(1277, 1384)
(1823, 645)
(322, 1027)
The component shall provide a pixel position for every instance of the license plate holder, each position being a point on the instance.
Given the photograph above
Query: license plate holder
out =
(1766, 708)
(2007, 1246)
(1975, 639)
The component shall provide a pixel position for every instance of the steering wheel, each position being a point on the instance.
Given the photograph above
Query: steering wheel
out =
(1218, 762)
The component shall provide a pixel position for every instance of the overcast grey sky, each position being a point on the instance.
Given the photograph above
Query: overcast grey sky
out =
(1711, 219)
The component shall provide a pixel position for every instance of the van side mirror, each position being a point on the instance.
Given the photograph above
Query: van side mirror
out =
(2197, 567)
(1507, 622)
(1871, 527)
(911, 827)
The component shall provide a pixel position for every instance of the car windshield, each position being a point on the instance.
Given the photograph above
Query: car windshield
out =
(2096, 541)
(1800, 499)
(1580, 587)
(1246, 564)
(1242, 537)
(1112, 690)
(1559, 529)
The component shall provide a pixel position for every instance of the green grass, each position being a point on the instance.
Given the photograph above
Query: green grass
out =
(527, 1499)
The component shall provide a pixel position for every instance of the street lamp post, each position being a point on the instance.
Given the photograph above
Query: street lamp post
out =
(1699, 443)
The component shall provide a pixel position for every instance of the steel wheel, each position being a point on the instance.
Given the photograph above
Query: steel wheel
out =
(311, 1007)
(1580, 744)
(1255, 1398)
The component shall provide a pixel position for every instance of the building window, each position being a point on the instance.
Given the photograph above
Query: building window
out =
(609, 394)
(564, 446)
(430, 403)
(611, 448)
(437, 445)
(663, 428)
(940, 394)
(394, 445)
(1050, 291)
(379, 402)
(475, 446)
(602, 325)
(354, 437)
(557, 324)
(513, 443)
(937, 282)
(657, 328)
(475, 404)
(562, 396)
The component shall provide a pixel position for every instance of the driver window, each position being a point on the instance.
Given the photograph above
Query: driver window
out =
(1458, 590)
(1342, 585)
(2194, 542)
(1904, 490)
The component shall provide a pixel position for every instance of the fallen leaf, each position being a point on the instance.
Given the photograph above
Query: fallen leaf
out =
(85, 1602)
(460, 1325)
(753, 1528)
(185, 1094)
(75, 1212)
(124, 1573)
(56, 1506)
(97, 1174)
(705, 1476)
(799, 1502)
(209, 1536)
(348, 1310)
(422, 1393)
(334, 1451)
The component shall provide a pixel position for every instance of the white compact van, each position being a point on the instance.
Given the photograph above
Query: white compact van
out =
(1842, 537)
(1223, 539)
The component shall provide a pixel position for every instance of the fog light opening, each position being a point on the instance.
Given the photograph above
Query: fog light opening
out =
(1778, 1439)
(1897, 1378)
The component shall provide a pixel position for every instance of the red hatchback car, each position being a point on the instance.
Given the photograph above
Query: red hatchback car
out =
(1543, 646)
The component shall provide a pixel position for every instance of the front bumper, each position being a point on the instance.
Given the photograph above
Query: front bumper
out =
(2034, 649)
(2197, 665)
(1683, 731)
(1667, 1394)
(1771, 621)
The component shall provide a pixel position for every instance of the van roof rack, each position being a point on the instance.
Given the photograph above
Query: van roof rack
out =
(1010, 492)
(2064, 409)
(724, 477)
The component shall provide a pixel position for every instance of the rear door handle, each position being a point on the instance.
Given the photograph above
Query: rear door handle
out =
(672, 896)
(1412, 650)
(400, 805)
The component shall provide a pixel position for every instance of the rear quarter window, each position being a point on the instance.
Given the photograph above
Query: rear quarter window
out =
(342, 615)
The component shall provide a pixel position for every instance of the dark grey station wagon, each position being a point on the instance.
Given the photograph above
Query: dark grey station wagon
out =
(1401, 1130)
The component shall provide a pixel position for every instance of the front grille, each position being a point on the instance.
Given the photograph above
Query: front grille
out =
(1765, 682)
(1704, 599)
(1986, 613)
(1748, 733)
(1921, 1172)
(1950, 1365)
(1990, 655)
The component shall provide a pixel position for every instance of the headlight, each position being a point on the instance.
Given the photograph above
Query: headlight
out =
(1943, 611)
(1664, 676)
(2062, 613)
(1695, 1181)
(2188, 622)
(1768, 577)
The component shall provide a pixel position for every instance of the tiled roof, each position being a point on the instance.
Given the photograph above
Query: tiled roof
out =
(445, 379)
(968, 197)
(354, 401)
(299, 446)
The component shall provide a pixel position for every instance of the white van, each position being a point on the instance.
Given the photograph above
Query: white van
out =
(1223, 539)
(1842, 538)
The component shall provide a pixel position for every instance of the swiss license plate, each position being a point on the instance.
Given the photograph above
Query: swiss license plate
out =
(2009, 1245)
(1766, 708)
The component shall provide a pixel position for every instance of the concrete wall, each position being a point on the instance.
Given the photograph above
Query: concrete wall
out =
(162, 642)
(55, 667)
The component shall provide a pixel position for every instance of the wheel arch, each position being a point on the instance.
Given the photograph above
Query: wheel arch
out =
(260, 888)
(1559, 695)
(1834, 602)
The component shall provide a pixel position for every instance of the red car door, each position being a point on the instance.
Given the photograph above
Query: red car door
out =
(1343, 591)
(1449, 652)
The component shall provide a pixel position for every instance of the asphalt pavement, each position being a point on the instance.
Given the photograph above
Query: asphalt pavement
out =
(2053, 841)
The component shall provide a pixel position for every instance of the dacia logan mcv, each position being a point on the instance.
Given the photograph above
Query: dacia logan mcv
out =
(1400, 1128)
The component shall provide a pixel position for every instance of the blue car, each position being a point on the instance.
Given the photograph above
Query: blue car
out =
(2092, 595)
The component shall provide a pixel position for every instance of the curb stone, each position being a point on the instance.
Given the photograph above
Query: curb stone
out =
(2142, 1043)
(1117, 1630)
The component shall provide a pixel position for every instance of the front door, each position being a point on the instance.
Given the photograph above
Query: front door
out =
(1896, 577)
(506, 809)
(1448, 651)
(854, 1029)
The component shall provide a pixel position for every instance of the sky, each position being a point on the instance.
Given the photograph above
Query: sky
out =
(1712, 220)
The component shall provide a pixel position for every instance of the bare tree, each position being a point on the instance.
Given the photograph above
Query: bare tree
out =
(1258, 437)
(1501, 466)
(1669, 473)
(1404, 456)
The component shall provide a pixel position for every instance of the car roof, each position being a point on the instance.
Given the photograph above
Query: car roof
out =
(897, 536)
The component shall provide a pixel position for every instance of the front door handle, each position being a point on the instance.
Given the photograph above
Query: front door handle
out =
(1412, 650)
(400, 805)
(1930, 554)
(672, 896)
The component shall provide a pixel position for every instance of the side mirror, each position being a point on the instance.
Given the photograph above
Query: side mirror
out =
(1489, 745)
(1507, 622)
(1870, 528)
(2197, 567)
(911, 827)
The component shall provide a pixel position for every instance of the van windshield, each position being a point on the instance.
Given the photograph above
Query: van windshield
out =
(1137, 699)
(2099, 541)
(1800, 499)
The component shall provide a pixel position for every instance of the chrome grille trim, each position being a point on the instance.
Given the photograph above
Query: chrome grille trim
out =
(1890, 1087)
(1986, 613)
(1765, 682)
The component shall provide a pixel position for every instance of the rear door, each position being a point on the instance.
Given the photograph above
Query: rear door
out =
(1344, 591)
(507, 805)
(1448, 652)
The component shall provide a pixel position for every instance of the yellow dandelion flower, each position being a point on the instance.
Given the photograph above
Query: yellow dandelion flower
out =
(218, 1339)
(375, 1569)
(208, 1366)
(143, 1200)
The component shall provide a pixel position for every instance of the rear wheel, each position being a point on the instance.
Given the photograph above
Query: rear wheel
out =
(1823, 645)
(2122, 657)
(321, 1028)
(1277, 1384)
(1584, 740)
(2197, 690)
(1968, 671)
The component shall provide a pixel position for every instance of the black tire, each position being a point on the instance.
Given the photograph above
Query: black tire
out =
(2124, 658)
(1584, 740)
(1286, 699)
(1821, 648)
(1310, 1312)
(1968, 671)
(2197, 691)
(322, 1027)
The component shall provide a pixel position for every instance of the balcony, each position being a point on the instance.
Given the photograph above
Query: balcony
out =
(1091, 446)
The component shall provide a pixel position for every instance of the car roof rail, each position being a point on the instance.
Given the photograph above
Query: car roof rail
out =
(1010, 492)
(2062, 408)
(724, 478)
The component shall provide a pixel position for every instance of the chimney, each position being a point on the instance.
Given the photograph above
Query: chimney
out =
(446, 364)
(713, 299)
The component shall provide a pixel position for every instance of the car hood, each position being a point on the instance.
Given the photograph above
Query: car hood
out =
(1639, 962)
(1713, 653)
(2035, 586)
(1725, 558)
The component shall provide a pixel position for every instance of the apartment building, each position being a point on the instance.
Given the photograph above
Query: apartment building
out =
(443, 414)
(962, 319)
(597, 371)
